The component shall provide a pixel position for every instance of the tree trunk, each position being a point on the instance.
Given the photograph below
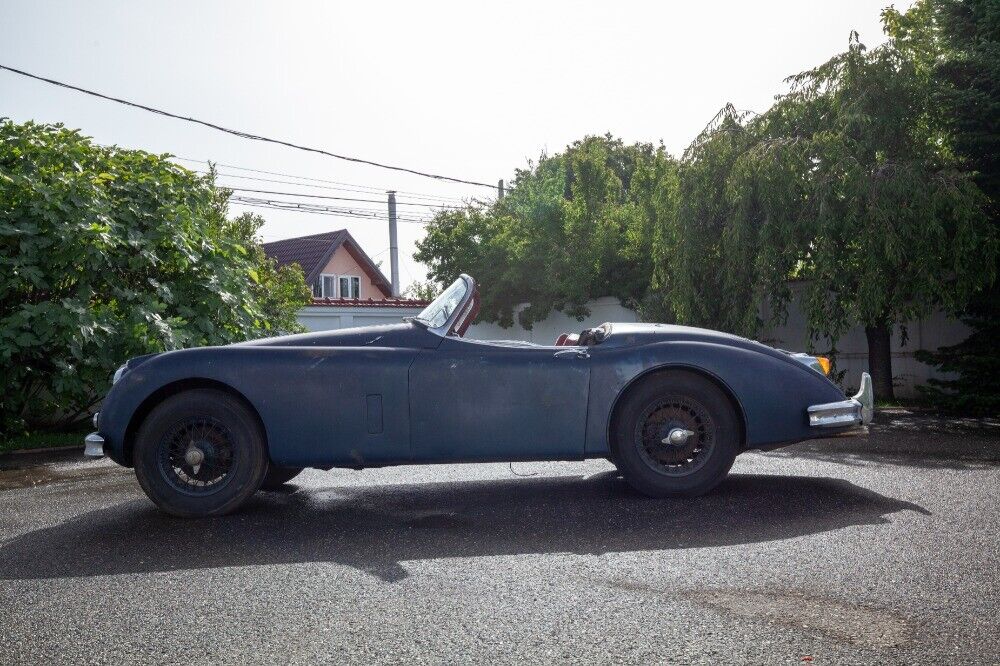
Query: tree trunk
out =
(880, 360)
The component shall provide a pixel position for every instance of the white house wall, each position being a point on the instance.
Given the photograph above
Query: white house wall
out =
(329, 318)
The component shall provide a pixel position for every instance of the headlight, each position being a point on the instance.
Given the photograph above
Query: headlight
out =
(118, 374)
(824, 364)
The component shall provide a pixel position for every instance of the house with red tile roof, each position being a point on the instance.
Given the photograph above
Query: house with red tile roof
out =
(348, 287)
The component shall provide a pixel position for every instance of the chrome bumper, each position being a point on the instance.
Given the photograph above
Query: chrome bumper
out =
(93, 445)
(856, 411)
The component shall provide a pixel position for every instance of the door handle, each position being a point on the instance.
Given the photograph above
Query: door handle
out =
(578, 352)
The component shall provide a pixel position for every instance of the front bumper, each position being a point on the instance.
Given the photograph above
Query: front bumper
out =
(856, 411)
(93, 445)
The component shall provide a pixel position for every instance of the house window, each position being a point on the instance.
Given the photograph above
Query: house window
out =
(325, 286)
(350, 286)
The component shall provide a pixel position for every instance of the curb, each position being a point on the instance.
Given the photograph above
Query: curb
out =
(49, 449)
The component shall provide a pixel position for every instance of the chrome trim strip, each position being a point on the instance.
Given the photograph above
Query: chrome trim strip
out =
(93, 445)
(858, 410)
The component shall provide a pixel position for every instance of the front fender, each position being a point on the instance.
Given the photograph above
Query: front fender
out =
(311, 400)
(772, 390)
(145, 376)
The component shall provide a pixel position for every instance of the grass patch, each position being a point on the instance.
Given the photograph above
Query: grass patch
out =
(43, 440)
(913, 404)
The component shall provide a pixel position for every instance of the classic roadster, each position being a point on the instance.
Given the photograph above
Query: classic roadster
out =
(670, 406)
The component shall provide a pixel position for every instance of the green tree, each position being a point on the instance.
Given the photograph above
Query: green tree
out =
(845, 182)
(109, 253)
(735, 236)
(961, 43)
(897, 227)
(575, 226)
(423, 291)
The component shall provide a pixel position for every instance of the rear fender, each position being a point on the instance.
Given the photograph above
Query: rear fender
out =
(771, 390)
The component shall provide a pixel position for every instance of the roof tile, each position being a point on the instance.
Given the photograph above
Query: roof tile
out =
(369, 303)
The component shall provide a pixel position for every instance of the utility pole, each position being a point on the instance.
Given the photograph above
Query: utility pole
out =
(500, 189)
(393, 246)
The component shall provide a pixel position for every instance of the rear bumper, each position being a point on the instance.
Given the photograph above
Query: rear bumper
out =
(856, 411)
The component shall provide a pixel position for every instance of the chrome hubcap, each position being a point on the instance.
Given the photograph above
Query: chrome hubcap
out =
(677, 437)
(198, 455)
(194, 457)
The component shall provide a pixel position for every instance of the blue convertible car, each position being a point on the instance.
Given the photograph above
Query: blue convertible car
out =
(670, 406)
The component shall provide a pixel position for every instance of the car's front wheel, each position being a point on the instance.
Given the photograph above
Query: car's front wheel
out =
(675, 434)
(200, 453)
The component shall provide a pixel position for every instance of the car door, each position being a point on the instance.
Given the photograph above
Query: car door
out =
(473, 400)
(331, 405)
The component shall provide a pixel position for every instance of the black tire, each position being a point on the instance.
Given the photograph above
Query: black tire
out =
(279, 476)
(206, 423)
(664, 402)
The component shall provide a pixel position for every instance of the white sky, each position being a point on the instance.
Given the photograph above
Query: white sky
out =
(468, 89)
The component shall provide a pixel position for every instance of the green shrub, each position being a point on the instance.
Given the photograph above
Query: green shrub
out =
(108, 253)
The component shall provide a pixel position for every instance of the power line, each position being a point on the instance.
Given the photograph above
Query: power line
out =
(325, 196)
(244, 135)
(319, 209)
(348, 187)
(279, 181)
(361, 211)
(326, 213)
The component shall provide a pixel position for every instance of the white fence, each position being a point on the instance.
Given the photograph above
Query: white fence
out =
(852, 349)
(937, 330)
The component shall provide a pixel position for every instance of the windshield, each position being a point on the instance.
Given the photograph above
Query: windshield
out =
(437, 313)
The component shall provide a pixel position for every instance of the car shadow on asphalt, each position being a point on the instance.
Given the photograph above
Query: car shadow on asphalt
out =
(920, 441)
(916, 450)
(376, 528)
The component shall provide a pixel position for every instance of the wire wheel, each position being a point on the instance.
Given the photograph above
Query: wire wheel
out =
(196, 455)
(675, 435)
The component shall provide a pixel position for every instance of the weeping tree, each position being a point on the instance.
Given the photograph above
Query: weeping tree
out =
(700, 261)
(896, 228)
(737, 233)
(846, 182)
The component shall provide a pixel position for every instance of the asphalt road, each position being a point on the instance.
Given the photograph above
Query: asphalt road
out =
(872, 550)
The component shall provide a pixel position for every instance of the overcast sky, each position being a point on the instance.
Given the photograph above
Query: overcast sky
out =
(468, 89)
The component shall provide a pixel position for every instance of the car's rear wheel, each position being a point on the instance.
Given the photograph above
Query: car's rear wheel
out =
(675, 434)
(279, 476)
(200, 453)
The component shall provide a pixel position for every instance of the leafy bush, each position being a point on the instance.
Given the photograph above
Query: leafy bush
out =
(575, 226)
(108, 253)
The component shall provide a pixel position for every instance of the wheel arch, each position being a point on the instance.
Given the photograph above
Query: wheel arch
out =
(174, 388)
(645, 375)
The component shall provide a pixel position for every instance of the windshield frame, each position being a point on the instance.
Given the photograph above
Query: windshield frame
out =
(445, 328)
